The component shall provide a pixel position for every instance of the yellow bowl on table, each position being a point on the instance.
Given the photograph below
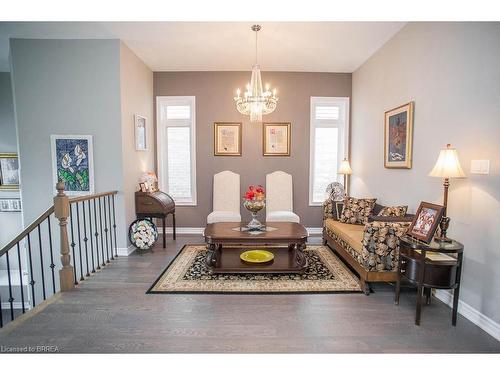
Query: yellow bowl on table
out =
(257, 256)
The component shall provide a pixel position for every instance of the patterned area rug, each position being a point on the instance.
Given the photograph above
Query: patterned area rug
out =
(188, 274)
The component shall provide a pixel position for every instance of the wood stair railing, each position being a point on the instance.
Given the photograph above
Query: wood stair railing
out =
(91, 223)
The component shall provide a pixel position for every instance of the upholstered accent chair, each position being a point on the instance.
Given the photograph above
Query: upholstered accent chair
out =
(279, 198)
(226, 198)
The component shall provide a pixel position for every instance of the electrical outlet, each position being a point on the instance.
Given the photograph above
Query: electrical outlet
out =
(480, 167)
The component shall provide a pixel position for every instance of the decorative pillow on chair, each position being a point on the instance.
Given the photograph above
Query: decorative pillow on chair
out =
(398, 211)
(357, 211)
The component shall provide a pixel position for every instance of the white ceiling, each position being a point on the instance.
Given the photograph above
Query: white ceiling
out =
(224, 46)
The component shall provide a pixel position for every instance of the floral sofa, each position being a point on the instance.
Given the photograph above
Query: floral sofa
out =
(370, 248)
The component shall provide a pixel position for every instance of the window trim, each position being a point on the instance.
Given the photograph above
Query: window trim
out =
(343, 120)
(162, 149)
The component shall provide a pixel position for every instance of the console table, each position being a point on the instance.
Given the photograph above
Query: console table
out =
(435, 265)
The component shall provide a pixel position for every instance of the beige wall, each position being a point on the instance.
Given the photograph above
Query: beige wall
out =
(451, 72)
(136, 84)
(214, 93)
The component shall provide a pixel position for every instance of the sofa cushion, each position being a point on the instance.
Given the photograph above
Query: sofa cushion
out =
(397, 211)
(357, 211)
(349, 233)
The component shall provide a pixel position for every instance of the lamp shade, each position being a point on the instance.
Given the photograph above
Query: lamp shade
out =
(447, 165)
(344, 168)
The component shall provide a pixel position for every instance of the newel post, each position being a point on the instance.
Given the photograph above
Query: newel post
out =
(61, 212)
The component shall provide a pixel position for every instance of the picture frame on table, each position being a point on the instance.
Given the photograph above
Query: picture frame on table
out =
(398, 137)
(9, 171)
(73, 163)
(227, 139)
(140, 129)
(426, 221)
(143, 187)
(276, 138)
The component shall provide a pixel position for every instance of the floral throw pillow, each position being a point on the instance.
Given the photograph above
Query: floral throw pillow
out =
(357, 211)
(395, 211)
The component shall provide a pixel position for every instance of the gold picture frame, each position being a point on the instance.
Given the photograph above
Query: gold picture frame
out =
(227, 138)
(276, 138)
(398, 137)
(9, 171)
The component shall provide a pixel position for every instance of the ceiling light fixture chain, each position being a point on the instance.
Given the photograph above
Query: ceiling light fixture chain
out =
(255, 101)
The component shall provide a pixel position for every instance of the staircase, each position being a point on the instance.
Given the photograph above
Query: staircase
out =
(84, 242)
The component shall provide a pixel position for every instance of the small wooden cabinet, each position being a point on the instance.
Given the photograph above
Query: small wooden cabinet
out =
(155, 205)
(436, 265)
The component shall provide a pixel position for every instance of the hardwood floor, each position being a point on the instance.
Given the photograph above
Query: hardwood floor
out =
(110, 312)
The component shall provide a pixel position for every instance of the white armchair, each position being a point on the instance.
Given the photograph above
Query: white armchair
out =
(279, 198)
(226, 198)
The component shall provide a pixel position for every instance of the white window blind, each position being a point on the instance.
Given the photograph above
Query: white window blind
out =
(176, 148)
(328, 144)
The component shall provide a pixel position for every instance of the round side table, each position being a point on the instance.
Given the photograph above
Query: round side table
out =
(435, 265)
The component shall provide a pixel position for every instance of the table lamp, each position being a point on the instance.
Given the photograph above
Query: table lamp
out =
(447, 166)
(346, 170)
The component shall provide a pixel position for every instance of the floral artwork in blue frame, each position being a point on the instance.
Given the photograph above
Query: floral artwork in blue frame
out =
(72, 163)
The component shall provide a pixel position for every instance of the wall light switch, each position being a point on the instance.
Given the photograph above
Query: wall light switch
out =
(480, 167)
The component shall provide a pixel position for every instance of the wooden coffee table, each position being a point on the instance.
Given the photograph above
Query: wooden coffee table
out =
(285, 240)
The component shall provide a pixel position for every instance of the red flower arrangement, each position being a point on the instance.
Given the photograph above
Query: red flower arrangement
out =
(255, 193)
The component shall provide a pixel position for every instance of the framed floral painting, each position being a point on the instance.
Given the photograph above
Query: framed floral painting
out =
(73, 163)
(398, 136)
(276, 138)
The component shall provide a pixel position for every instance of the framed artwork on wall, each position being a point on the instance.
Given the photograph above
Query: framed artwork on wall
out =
(9, 171)
(73, 163)
(140, 133)
(276, 138)
(398, 137)
(426, 220)
(227, 138)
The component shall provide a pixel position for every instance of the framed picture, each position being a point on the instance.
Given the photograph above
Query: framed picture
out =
(426, 221)
(143, 186)
(73, 163)
(398, 137)
(227, 138)
(276, 138)
(140, 133)
(10, 205)
(9, 171)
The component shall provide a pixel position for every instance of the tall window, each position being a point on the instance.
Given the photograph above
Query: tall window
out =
(329, 142)
(177, 147)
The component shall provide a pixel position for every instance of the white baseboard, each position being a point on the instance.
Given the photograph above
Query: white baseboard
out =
(470, 313)
(314, 231)
(183, 230)
(199, 230)
(16, 305)
(125, 251)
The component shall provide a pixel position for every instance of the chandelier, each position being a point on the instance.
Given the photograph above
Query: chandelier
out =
(255, 101)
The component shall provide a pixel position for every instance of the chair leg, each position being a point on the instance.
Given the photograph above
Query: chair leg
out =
(173, 224)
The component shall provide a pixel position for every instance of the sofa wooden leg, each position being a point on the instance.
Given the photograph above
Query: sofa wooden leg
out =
(365, 287)
(325, 241)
